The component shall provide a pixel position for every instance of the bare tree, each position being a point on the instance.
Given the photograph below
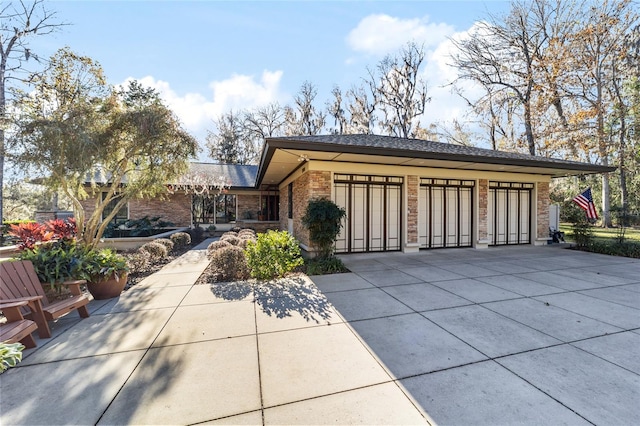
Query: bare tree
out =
(266, 121)
(304, 119)
(229, 143)
(400, 92)
(336, 110)
(597, 51)
(362, 107)
(263, 122)
(19, 21)
(500, 56)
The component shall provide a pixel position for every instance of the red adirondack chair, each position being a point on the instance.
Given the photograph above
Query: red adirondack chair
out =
(16, 329)
(19, 283)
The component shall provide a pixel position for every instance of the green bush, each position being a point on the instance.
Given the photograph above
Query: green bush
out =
(157, 251)
(229, 264)
(323, 218)
(165, 242)
(613, 248)
(274, 254)
(181, 240)
(320, 266)
(581, 231)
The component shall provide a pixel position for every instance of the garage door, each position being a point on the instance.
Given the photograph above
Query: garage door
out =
(445, 216)
(374, 206)
(509, 215)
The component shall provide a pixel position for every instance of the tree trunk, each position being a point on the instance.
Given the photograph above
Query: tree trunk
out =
(528, 129)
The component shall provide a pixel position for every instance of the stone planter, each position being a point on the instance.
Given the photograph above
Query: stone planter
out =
(109, 288)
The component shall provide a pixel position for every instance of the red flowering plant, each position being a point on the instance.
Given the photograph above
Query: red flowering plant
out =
(62, 229)
(29, 234)
(53, 250)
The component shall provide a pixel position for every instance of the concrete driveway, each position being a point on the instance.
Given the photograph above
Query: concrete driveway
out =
(527, 335)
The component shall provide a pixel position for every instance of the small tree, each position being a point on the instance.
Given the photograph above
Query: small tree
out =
(323, 218)
(580, 225)
(79, 133)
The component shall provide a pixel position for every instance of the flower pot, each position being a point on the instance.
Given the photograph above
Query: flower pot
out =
(108, 288)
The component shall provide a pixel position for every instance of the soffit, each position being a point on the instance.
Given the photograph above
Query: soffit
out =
(285, 161)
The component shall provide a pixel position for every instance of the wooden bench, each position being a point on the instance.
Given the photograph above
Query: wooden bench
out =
(16, 329)
(19, 283)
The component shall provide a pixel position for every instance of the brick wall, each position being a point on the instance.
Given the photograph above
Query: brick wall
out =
(483, 206)
(248, 203)
(175, 208)
(413, 186)
(543, 209)
(313, 184)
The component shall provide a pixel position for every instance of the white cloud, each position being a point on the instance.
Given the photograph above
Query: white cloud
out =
(196, 111)
(380, 34)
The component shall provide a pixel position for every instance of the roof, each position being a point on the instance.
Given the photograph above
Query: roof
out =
(239, 175)
(378, 149)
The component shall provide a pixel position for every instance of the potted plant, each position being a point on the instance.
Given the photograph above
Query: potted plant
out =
(106, 273)
(56, 262)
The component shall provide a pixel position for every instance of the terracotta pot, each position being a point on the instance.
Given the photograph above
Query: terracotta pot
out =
(109, 288)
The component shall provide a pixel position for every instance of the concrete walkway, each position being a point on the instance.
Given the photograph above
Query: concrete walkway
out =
(531, 335)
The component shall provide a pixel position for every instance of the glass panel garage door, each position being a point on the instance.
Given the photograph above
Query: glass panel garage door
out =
(445, 213)
(373, 205)
(509, 213)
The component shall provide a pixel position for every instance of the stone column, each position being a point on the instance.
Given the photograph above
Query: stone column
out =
(413, 187)
(542, 213)
(483, 210)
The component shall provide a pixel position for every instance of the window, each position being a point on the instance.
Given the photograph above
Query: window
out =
(270, 207)
(291, 200)
(123, 214)
(215, 209)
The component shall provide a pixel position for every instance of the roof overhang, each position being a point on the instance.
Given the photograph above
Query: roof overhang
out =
(281, 157)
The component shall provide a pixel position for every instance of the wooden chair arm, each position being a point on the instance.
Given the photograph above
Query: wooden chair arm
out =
(11, 311)
(12, 304)
(22, 299)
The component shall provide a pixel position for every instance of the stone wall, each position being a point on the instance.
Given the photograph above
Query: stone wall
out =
(483, 209)
(543, 210)
(413, 187)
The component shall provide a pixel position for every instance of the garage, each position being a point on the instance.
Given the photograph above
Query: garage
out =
(374, 213)
(509, 213)
(445, 217)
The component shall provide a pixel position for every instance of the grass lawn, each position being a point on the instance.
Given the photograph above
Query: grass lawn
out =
(631, 234)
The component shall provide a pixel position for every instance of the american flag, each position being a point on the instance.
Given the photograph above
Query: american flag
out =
(585, 202)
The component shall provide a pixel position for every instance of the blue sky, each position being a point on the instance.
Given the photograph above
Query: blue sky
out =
(206, 57)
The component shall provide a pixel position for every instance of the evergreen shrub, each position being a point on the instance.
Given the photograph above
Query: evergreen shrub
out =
(274, 254)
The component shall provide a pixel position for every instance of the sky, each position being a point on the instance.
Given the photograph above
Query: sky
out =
(207, 57)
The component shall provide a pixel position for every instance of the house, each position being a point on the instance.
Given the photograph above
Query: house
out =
(399, 194)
